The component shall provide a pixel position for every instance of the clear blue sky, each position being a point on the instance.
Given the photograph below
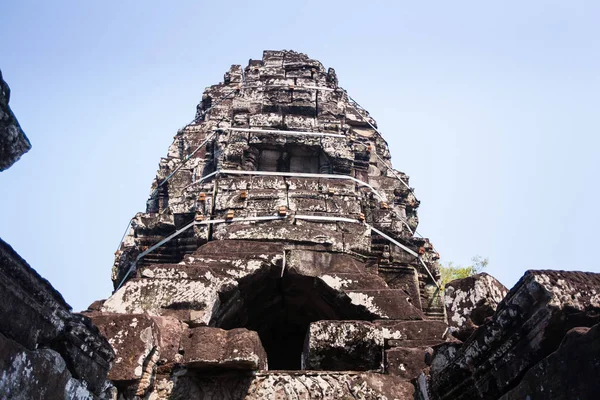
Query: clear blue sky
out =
(492, 108)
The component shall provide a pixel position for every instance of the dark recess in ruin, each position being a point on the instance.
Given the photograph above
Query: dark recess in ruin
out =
(281, 308)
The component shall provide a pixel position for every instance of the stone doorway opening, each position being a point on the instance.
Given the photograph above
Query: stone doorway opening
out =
(281, 308)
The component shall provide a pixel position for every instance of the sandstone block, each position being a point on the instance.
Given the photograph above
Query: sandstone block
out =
(134, 339)
(386, 303)
(571, 372)
(528, 325)
(34, 315)
(209, 348)
(470, 300)
(406, 362)
(343, 345)
(413, 330)
(188, 300)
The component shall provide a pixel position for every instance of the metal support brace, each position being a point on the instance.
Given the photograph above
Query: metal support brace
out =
(382, 160)
(202, 179)
(326, 218)
(124, 234)
(182, 164)
(280, 132)
(326, 89)
(154, 247)
(409, 251)
(291, 174)
(272, 218)
(393, 172)
(199, 147)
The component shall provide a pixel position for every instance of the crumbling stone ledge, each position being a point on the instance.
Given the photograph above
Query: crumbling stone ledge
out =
(528, 325)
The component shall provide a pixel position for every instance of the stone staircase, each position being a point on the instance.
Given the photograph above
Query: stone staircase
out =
(171, 252)
(406, 344)
(378, 244)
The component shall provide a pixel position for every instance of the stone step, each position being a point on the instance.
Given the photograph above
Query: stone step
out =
(157, 258)
(400, 277)
(175, 242)
(413, 330)
(435, 316)
(187, 248)
(412, 343)
(388, 303)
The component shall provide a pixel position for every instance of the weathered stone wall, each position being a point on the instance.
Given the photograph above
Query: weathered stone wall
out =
(570, 372)
(469, 301)
(285, 265)
(271, 201)
(13, 142)
(283, 94)
(522, 350)
(46, 352)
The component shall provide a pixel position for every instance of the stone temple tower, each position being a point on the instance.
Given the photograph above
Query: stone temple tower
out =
(277, 251)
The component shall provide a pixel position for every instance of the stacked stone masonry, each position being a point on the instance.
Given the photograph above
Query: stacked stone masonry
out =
(271, 202)
(277, 259)
(540, 343)
(46, 352)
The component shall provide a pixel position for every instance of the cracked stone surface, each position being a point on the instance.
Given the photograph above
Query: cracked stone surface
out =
(528, 325)
(46, 352)
(469, 301)
(271, 262)
(13, 142)
(343, 346)
(570, 372)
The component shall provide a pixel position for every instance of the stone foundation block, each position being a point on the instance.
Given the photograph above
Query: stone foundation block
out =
(343, 345)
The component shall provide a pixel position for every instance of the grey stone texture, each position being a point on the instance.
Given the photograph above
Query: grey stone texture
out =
(46, 352)
(504, 354)
(469, 301)
(13, 142)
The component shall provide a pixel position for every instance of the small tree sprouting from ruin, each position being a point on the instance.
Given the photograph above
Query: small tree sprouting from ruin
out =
(450, 272)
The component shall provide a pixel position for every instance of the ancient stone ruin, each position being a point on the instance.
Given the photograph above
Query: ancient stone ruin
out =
(278, 241)
(278, 258)
(46, 352)
(537, 344)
